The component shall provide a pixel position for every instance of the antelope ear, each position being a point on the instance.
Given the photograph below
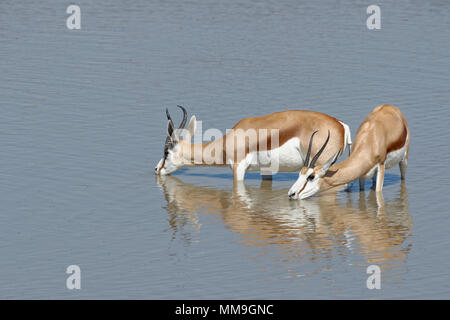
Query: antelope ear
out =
(331, 161)
(192, 126)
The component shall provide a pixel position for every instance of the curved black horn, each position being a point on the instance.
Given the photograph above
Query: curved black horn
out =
(183, 122)
(168, 115)
(313, 161)
(170, 127)
(308, 154)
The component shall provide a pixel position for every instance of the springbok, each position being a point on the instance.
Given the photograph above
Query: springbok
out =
(381, 142)
(269, 144)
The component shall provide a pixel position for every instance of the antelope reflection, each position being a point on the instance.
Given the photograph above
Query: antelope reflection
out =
(264, 217)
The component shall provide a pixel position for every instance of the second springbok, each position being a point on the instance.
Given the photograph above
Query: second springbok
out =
(269, 144)
(381, 142)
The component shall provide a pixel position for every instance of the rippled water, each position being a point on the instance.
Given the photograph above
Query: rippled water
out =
(82, 125)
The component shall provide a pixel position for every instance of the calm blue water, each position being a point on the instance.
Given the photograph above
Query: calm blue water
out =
(82, 126)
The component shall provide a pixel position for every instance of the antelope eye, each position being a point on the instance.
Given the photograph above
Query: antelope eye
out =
(311, 177)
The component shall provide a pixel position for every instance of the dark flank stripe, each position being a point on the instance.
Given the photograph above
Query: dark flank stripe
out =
(400, 142)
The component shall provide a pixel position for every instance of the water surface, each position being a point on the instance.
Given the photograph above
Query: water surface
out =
(82, 126)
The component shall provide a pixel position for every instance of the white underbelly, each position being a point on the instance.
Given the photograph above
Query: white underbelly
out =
(392, 159)
(286, 158)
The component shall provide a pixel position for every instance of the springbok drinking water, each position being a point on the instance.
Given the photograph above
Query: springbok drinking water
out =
(381, 142)
(272, 143)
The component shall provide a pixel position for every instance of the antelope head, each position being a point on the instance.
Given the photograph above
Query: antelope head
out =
(174, 148)
(310, 178)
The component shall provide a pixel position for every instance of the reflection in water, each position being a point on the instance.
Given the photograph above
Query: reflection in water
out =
(328, 225)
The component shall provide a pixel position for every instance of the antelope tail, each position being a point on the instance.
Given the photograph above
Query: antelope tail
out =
(347, 136)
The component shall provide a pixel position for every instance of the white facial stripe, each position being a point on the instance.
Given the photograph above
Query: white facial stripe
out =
(300, 184)
(308, 187)
(305, 180)
(310, 191)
